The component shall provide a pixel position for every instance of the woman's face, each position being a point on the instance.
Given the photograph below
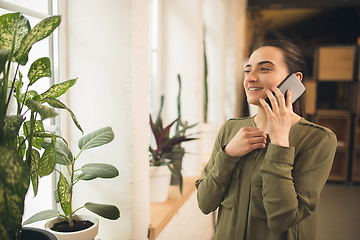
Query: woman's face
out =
(266, 69)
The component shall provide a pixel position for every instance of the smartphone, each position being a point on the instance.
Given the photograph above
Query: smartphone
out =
(293, 83)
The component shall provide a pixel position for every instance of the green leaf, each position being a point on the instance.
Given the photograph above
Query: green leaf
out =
(47, 161)
(9, 129)
(17, 88)
(106, 211)
(34, 170)
(14, 183)
(100, 170)
(97, 138)
(57, 90)
(47, 214)
(29, 95)
(39, 32)
(45, 112)
(57, 104)
(63, 154)
(64, 194)
(13, 28)
(38, 127)
(56, 196)
(20, 144)
(84, 177)
(40, 68)
(3, 58)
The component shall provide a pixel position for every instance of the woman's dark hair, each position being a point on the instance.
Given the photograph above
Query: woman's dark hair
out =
(295, 62)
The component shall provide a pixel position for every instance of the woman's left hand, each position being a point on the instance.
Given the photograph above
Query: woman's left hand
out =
(279, 118)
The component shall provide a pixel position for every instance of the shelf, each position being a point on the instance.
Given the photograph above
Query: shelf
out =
(332, 112)
(334, 102)
(358, 99)
(310, 96)
(357, 132)
(338, 123)
(340, 165)
(356, 166)
(335, 95)
(162, 213)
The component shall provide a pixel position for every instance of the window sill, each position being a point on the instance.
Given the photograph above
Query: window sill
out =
(162, 213)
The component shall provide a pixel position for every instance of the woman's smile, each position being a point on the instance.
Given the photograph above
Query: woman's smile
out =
(254, 89)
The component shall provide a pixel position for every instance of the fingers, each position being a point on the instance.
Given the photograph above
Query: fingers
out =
(289, 99)
(254, 136)
(245, 141)
(280, 97)
(279, 101)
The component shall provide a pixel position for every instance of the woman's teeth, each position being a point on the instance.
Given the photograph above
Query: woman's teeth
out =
(254, 89)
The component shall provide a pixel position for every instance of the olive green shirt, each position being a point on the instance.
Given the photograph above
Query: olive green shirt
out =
(270, 193)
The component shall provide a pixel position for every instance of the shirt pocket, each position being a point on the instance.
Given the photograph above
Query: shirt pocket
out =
(256, 198)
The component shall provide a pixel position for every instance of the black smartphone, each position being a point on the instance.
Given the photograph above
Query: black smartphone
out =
(293, 83)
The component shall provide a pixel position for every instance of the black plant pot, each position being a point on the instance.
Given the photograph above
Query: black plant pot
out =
(29, 233)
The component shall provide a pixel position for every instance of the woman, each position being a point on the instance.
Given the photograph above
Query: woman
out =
(266, 172)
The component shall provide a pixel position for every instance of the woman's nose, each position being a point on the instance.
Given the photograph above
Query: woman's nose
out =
(250, 76)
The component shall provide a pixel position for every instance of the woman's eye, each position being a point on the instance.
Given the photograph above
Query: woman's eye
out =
(264, 69)
(246, 71)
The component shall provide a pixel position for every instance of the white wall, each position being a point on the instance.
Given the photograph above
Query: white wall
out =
(182, 53)
(215, 39)
(106, 47)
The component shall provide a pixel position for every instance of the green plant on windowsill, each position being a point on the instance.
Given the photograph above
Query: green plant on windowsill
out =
(166, 145)
(20, 158)
(65, 186)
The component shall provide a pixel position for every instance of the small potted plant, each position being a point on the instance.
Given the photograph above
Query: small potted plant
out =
(161, 158)
(21, 129)
(66, 224)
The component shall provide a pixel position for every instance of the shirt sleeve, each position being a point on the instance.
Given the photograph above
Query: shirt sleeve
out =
(214, 183)
(291, 188)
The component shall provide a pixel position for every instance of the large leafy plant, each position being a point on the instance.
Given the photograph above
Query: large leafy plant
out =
(67, 180)
(22, 134)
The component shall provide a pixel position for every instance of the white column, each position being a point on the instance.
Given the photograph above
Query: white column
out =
(182, 53)
(215, 39)
(107, 49)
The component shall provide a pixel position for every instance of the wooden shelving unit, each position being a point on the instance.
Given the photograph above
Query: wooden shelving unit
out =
(333, 101)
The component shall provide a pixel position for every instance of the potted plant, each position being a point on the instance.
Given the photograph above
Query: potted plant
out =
(20, 159)
(163, 156)
(67, 221)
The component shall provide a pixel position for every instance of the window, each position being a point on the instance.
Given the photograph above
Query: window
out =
(35, 11)
(154, 55)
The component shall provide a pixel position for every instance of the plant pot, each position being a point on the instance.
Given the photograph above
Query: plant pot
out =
(29, 233)
(86, 234)
(160, 177)
(176, 157)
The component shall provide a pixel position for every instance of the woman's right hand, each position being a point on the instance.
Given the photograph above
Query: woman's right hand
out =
(245, 141)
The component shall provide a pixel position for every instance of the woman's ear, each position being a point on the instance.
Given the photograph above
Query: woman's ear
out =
(299, 75)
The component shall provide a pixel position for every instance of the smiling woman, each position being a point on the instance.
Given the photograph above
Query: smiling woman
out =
(266, 172)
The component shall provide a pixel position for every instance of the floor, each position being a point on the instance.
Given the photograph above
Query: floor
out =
(339, 212)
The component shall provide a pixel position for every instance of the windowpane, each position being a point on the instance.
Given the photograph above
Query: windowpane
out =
(43, 48)
(35, 5)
